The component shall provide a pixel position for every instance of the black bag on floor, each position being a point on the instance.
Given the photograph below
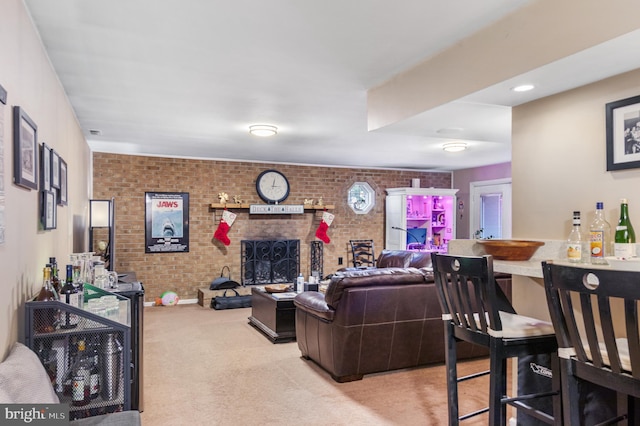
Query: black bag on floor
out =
(223, 282)
(231, 302)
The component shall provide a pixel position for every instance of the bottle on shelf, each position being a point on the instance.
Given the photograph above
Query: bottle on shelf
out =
(600, 236)
(300, 283)
(80, 393)
(46, 319)
(94, 372)
(625, 237)
(70, 295)
(55, 280)
(574, 241)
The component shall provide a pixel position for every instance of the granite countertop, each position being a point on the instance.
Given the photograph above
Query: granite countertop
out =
(551, 250)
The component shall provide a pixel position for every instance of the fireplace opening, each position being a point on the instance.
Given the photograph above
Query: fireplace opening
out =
(269, 261)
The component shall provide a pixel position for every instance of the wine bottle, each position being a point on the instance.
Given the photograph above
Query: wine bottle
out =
(94, 373)
(55, 280)
(81, 394)
(70, 295)
(600, 235)
(46, 319)
(625, 237)
(574, 241)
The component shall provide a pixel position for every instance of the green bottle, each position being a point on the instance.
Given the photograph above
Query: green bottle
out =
(625, 238)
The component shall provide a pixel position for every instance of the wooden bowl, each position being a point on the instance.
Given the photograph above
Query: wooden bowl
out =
(510, 249)
(277, 288)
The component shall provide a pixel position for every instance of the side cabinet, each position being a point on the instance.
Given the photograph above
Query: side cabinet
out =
(101, 344)
(420, 219)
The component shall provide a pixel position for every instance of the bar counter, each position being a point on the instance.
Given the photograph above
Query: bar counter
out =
(551, 250)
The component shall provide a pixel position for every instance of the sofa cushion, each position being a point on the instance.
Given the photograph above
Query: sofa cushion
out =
(394, 259)
(369, 278)
(24, 380)
(420, 259)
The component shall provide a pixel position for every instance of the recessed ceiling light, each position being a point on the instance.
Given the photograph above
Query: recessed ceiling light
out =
(263, 130)
(454, 146)
(523, 88)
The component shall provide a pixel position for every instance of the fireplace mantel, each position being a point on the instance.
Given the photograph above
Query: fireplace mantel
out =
(237, 206)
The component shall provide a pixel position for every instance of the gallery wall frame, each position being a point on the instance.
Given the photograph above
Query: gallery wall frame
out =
(55, 169)
(49, 210)
(45, 167)
(62, 192)
(25, 150)
(623, 133)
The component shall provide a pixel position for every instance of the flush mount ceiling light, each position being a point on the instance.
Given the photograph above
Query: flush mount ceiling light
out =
(523, 88)
(454, 146)
(263, 130)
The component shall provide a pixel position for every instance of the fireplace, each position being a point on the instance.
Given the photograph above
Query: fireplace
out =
(269, 261)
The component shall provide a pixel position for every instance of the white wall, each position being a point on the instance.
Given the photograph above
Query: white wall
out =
(559, 165)
(27, 76)
(462, 180)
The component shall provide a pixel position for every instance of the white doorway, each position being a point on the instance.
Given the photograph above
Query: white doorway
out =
(490, 209)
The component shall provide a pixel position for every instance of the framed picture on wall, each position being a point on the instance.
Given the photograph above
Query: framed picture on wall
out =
(45, 167)
(55, 169)
(623, 134)
(25, 150)
(62, 192)
(166, 222)
(49, 208)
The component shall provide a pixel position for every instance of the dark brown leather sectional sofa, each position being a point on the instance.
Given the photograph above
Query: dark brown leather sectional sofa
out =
(375, 320)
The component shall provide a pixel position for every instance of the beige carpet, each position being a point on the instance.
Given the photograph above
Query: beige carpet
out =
(206, 367)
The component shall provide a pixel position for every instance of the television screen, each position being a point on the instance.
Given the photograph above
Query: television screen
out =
(416, 235)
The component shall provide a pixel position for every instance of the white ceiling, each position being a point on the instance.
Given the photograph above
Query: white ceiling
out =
(187, 77)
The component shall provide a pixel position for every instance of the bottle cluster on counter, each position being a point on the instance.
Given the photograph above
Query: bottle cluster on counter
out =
(601, 243)
(83, 357)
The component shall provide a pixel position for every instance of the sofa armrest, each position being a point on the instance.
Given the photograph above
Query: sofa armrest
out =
(314, 303)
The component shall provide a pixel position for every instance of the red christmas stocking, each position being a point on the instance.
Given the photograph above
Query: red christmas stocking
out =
(321, 232)
(221, 233)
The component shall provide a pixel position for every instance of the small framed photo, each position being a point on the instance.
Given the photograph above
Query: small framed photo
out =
(25, 150)
(49, 207)
(62, 192)
(45, 167)
(55, 169)
(623, 134)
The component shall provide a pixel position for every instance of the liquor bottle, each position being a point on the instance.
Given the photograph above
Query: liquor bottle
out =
(625, 237)
(600, 235)
(80, 393)
(574, 242)
(300, 283)
(71, 296)
(46, 319)
(55, 280)
(94, 372)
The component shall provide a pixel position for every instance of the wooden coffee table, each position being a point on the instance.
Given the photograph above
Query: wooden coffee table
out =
(273, 314)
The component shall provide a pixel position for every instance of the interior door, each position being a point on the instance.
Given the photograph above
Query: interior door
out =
(490, 209)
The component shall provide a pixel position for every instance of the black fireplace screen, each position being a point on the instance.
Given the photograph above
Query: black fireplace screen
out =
(269, 261)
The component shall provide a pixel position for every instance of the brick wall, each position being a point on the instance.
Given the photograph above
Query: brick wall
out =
(127, 178)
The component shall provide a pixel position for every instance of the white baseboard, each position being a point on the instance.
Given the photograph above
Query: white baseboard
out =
(180, 302)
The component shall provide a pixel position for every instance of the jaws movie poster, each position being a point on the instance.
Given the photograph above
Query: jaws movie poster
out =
(167, 222)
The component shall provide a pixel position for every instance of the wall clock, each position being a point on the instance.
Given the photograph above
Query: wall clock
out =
(272, 186)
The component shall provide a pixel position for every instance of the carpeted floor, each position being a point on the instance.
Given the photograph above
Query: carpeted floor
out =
(206, 367)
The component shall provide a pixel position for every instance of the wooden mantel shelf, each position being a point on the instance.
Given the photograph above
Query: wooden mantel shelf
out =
(232, 206)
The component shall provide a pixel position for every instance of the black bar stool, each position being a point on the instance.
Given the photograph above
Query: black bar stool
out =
(475, 310)
(592, 346)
